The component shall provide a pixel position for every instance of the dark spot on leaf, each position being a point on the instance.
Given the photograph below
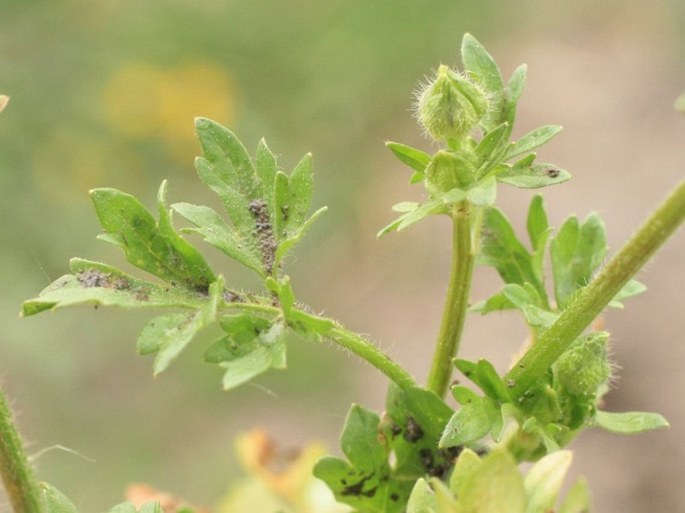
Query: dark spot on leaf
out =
(451, 453)
(357, 489)
(395, 430)
(394, 497)
(552, 172)
(413, 431)
(232, 297)
(426, 457)
(511, 383)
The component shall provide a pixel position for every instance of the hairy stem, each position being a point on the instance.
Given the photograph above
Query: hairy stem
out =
(374, 356)
(22, 489)
(456, 301)
(590, 302)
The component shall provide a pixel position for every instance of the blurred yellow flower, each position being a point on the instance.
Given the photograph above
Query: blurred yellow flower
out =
(279, 481)
(144, 101)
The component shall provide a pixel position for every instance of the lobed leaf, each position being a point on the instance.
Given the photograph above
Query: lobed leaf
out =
(149, 245)
(100, 284)
(364, 483)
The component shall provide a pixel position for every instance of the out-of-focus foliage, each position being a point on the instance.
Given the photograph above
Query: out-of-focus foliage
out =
(329, 77)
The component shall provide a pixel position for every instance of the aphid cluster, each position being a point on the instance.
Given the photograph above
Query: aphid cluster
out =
(264, 233)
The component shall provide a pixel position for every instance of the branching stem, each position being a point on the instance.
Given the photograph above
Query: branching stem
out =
(22, 489)
(590, 302)
(456, 302)
(374, 356)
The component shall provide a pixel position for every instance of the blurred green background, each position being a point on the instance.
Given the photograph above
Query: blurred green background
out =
(103, 93)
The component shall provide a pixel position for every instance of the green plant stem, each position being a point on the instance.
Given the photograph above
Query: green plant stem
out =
(590, 302)
(374, 356)
(22, 488)
(456, 302)
(350, 341)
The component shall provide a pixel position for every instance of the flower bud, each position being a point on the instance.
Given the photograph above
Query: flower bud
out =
(448, 170)
(451, 105)
(585, 366)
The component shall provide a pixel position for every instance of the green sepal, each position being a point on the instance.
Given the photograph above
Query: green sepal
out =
(55, 501)
(169, 334)
(629, 422)
(532, 140)
(150, 245)
(412, 157)
(100, 284)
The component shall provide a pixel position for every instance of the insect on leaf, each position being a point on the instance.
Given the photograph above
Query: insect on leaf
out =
(101, 284)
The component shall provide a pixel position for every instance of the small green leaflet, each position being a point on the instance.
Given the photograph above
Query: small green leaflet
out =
(169, 334)
(532, 140)
(150, 245)
(415, 159)
(100, 284)
(533, 177)
(576, 251)
(252, 345)
(501, 249)
(55, 501)
(630, 422)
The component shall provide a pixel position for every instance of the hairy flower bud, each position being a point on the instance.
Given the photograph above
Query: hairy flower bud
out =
(451, 105)
(585, 366)
(448, 170)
